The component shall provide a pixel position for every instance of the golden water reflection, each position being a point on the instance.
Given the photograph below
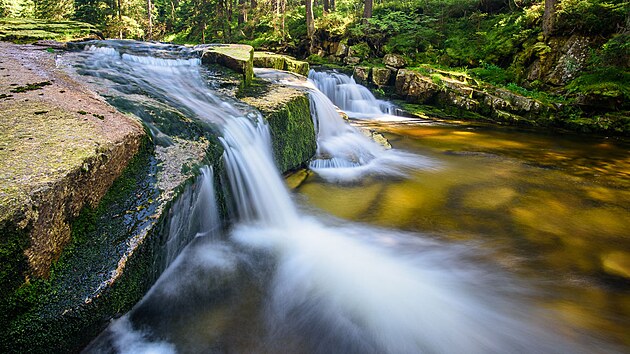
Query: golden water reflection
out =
(552, 209)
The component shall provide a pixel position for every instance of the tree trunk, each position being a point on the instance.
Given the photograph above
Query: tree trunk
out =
(150, 18)
(332, 5)
(549, 17)
(326, 6)
(242, 15)
(120, 22)
(310, 21)
(367, 10)
(284, 10)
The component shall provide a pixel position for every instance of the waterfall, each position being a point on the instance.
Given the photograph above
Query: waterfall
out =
(194, 213)
(330, 288)
(356, 100)
(344, 152)
(258, 190)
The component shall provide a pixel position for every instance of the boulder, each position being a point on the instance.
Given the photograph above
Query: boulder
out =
(560, 60)
(381, 76)
(269, 60)
(415, 87)
(394, 60)
(342, 50)
(287, 109)
(361, 74)
(297, 66)
(238, 57)
(280, 62)
(351, 60)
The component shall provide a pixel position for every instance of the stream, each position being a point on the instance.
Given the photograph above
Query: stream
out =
(461, 238)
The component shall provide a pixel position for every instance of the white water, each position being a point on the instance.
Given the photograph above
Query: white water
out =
(356, 100)
(353, 289)
(193, 214)
(345, 154)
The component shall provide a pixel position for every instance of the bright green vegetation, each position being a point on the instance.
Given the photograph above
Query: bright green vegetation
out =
(23, 30)
(579, 60)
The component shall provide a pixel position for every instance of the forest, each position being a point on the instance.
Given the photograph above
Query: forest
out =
(569, 53)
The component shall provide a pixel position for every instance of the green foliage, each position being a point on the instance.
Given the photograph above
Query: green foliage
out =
(615, 52)
(22, 30)
(17, 8)
(605, 82)
(54, 9)
(316, 59)
(591, 16)
(492, 74)
(361, 50)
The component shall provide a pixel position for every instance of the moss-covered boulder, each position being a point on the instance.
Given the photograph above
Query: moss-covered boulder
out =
(280, 62)
(381, 76)
(238, 57)
(361, 74)
(559, 60)
(395, 61)
(287, 110)
(23, 30)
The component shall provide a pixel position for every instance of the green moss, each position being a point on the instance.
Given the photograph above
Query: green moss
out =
(22, 30)
(280, 62)
(288, 112)
(293, 133)
(31, 87)
(238, 57)
(51, 314)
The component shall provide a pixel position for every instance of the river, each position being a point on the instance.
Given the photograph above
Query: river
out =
(459, 239)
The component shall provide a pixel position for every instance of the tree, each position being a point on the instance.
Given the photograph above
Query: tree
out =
(310, 20)
(367, 10)
(54, 9)
(150, 19)
(549, 17)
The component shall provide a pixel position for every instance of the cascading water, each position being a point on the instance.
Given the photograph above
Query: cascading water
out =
(283, 281)
(344, 153)
(356, 100)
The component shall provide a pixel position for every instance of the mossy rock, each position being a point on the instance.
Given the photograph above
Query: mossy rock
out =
(288, 112)
(23, 30)
(238, 57)
(280, 62)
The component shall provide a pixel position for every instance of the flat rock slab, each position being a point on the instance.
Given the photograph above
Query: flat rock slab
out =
(61, 147)
(238, 57)
(280, 62)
